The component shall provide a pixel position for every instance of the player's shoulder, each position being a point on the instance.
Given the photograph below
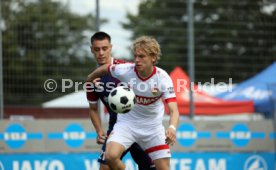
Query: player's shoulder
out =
(162, 75)
(125, 65)
(161, 72)
(122, 68)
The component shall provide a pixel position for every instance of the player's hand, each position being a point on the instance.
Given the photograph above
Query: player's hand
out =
(101, 138)
(170, 136)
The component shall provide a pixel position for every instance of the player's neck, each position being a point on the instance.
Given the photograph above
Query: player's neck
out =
(109, 61)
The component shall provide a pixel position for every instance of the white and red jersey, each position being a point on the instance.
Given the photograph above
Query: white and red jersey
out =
(149, 109)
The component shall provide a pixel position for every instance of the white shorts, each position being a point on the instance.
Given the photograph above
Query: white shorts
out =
(152, 140)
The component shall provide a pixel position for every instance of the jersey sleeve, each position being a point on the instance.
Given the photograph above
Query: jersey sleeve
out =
(120, 71)
(91, 95)
(167, 87)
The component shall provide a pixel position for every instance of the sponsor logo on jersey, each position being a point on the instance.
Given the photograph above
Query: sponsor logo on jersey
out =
(170, 90)
(154, 91)
(142, 100)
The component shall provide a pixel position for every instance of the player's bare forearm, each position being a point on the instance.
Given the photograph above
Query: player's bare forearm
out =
(174, 117)
(101, 135)
(100, 71)
(174, 114)
(96, 121)
(95, 118)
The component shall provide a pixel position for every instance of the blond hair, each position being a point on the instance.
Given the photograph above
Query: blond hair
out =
(149, 45)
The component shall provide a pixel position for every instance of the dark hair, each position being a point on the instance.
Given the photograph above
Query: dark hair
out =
(100, 36)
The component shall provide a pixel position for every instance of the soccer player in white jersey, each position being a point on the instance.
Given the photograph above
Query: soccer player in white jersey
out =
(143, 124)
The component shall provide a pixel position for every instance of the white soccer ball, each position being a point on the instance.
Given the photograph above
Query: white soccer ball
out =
(121, 99)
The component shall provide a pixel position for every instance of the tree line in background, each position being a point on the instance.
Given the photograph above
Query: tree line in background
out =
(43, 39)
(233, 39)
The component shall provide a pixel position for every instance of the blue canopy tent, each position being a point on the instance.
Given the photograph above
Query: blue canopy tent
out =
(260, 88)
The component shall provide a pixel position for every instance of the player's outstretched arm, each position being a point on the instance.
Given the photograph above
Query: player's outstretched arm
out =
(174, 118)
(96, 121)
(100, 71)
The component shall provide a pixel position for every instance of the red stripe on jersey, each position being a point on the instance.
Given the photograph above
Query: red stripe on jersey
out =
(118, 61)
(144, 79)
(157, 148)
(170, 100)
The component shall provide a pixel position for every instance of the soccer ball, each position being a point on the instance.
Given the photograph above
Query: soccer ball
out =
(121, 99)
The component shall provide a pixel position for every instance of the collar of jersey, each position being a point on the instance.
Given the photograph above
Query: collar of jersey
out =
(144, 79)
